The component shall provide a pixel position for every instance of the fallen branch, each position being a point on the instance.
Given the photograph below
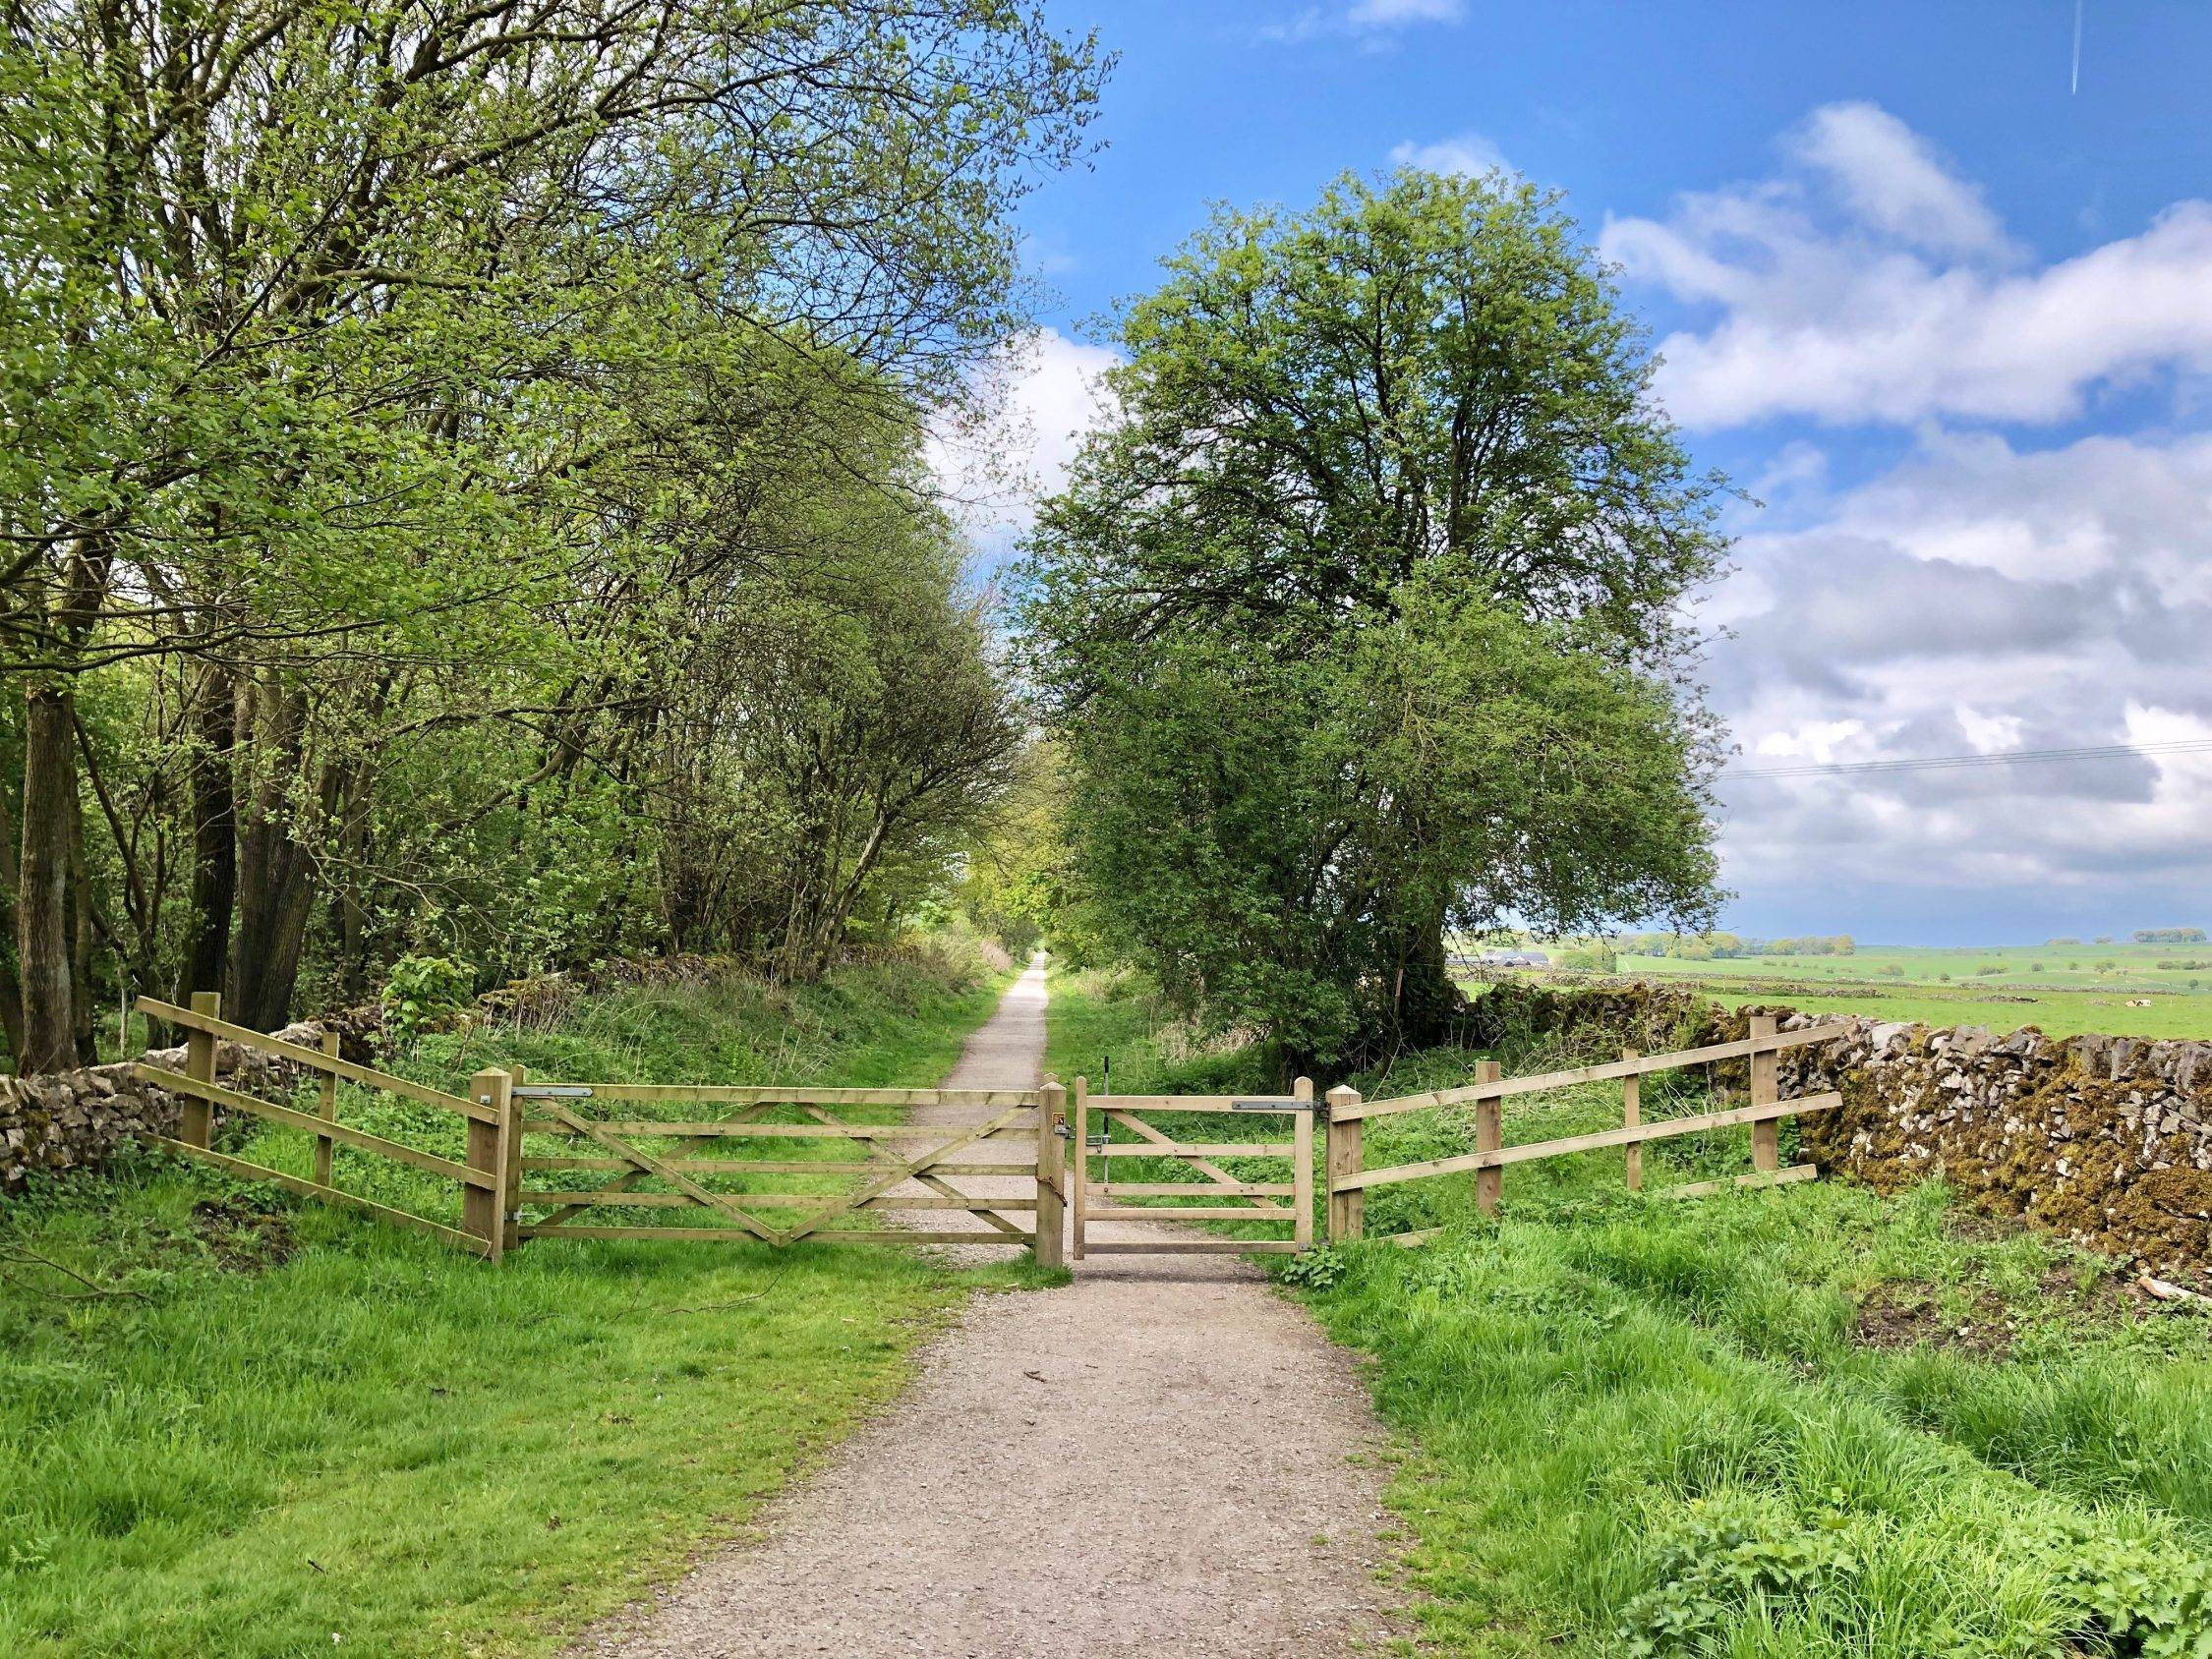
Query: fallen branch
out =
(717, 1307)
(94, 1289)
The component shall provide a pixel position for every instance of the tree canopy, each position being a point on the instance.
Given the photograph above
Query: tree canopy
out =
(464, 479)
(1362, 617)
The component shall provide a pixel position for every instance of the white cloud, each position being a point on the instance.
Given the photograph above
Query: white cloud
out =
(1469, 153)
(1392, 14)
(1978, 598)
(1371, 21)
(1891, 178)
(1042, 395)
(1874, 286)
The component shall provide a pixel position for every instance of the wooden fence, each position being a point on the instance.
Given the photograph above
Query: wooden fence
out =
(481, 1171)
(657, 1162)
(1350, 1180)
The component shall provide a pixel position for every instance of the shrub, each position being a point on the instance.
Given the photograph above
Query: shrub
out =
(424, 992)
(1719, 1563)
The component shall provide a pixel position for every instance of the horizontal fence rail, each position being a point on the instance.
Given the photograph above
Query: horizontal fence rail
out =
(1349, 1179)
(1627, 1135)
(1633, 1065)
(486, 1112)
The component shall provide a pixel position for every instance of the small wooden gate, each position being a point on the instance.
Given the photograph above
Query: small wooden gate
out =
(1221, 1193)
(773, 1201)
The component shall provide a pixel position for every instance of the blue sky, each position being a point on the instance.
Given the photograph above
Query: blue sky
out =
(1949, 321)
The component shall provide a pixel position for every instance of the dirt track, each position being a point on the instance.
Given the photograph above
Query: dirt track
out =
(1153, 1460)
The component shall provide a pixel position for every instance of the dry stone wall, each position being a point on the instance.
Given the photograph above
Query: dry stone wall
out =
(69, 1120)
(2106, 1140)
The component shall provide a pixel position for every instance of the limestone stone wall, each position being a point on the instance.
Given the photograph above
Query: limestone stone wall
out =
(2107, 1140)
(76, 1119)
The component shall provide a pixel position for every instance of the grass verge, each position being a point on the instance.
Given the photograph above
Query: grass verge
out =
(275, 1428)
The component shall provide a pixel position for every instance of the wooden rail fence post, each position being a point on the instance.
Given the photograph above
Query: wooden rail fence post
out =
(1489, 1135)
(1347, 1155)
(1766, 1089)
(1632, 1115)
(197, 1124)
(1052, 1113)
(1082, 1162)
(326, 1108)
(482, 1208)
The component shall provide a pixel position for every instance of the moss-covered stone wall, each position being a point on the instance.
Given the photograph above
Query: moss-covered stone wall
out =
(2107, 1140)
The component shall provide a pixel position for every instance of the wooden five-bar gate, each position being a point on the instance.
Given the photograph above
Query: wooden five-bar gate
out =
(878, 1158)
(781, 1164)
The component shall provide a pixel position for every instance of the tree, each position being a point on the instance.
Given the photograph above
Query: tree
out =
(1361, 617)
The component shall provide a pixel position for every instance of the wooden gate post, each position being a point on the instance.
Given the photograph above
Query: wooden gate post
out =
(1302, 1166)
(511, 1164)
(482, 1208)
(1079, 1201)
(1489, 1135)
(1347, 1156)
(1766, 1089)
(1052, 1113)
(197, 1122)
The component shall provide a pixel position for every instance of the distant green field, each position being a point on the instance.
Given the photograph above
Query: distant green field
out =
(2126, 990)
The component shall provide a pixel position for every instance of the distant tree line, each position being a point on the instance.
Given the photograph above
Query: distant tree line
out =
(1712, 946)
(2170, 936)
(463, 487)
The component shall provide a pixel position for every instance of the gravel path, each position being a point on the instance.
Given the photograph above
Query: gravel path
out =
(1153, 1460)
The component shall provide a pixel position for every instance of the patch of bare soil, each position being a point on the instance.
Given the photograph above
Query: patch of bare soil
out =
(245, 1232)
(1906, 1316)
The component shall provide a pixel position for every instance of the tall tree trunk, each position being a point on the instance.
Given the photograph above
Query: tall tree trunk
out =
(85, 1005)
(1423, 1006)
(276, 874)
(215, 838)
(10, 886)
(44, 942)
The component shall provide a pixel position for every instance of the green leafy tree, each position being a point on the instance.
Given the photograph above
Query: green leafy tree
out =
(389, 374)
(1361, 619)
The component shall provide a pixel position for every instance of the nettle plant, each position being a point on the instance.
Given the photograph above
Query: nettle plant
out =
(2132, 1596)
(2143, 1597)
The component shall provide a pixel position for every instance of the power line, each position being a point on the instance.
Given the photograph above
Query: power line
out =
(1998, 758)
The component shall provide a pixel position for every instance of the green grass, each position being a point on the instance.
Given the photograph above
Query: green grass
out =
(2064, 990)
(287, 1430)
(1804, 1421)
